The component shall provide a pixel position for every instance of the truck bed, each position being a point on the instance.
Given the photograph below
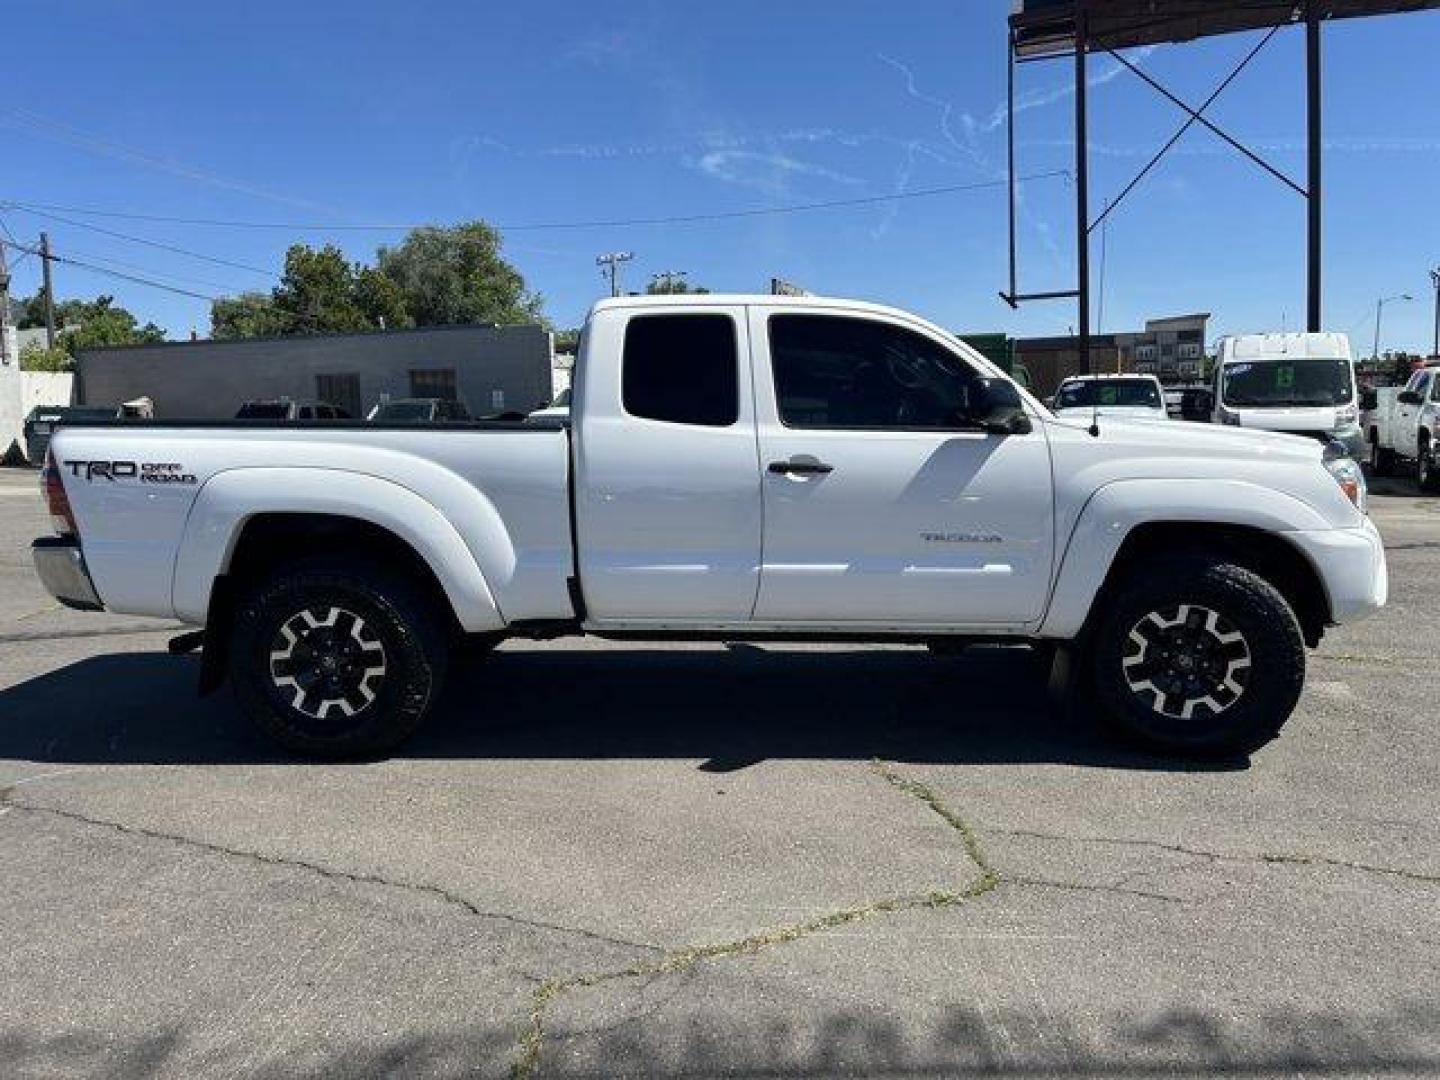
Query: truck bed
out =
(154, 499)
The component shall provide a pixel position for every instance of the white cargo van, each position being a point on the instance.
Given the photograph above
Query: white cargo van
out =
(1303, 384)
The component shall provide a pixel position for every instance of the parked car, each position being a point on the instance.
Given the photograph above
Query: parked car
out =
(42, 421)
(1298, 383)
(418, 411)
(1133, 397)
(285, 409)
(1404, 423)
(558, 409)
(765, 468)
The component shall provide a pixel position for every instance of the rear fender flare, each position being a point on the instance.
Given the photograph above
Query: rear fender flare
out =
(231, 498)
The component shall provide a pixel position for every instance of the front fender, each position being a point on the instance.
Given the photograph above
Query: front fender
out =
(1116, 509)
(231, 498)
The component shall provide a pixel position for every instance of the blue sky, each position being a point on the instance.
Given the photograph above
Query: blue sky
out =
(350, 114)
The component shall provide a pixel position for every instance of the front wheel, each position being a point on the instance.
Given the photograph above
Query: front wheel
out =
(1198, 656)
(336, 659)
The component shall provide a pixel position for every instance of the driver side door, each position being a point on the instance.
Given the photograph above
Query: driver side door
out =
(883, 506)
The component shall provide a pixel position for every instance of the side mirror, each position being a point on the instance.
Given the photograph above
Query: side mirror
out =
(996, 407)
(1408, 397)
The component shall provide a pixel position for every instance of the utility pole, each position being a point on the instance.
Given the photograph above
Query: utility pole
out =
(4, 308)
(49, 291)
(610, 267)
(1435, 280)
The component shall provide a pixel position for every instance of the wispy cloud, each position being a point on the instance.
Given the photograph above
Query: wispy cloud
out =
(608, 48)
(767, 172)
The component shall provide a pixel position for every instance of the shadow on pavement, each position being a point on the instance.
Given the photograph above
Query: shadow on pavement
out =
(960, 1042)
(730, 707)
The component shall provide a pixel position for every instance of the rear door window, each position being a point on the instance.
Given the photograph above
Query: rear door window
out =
(683, 369)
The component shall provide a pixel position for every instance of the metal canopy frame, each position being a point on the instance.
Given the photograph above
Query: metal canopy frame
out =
(1058, 29)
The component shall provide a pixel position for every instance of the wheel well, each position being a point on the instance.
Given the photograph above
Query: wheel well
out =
(1267, 554)
(269, 541)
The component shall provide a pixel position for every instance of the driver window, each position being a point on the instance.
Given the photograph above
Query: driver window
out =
(837, 372)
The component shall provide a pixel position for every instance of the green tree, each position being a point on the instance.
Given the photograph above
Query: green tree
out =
(673, 285)
(456, 274)
(81, 324)
(36, 357)
(249, 315)
(381, 300)
(317, 293)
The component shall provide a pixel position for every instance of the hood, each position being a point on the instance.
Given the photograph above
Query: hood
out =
(1150, 438)
(1132, 412)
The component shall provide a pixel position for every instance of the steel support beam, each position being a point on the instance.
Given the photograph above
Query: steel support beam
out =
(1082, 182)
(1314, 316)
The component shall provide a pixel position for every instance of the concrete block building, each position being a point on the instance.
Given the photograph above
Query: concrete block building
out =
(491, 369)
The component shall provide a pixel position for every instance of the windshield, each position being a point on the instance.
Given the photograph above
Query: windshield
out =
(403, 410)
(1108, 393)
(1303, 381)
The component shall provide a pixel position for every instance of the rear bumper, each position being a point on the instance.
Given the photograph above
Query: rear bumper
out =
(61, 566)
(1351, 563)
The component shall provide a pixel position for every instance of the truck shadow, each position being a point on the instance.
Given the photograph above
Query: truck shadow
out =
(727, 707)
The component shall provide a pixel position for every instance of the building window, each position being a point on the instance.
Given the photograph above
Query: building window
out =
(433, 383)
(342, 391)
(682, 369)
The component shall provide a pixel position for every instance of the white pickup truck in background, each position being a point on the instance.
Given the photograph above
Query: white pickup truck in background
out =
(753, 468)
(1404, 422)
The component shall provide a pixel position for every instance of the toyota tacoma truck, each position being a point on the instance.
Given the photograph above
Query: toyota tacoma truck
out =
(733, 468)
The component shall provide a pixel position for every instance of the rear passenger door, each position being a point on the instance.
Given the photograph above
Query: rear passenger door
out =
(667, 484)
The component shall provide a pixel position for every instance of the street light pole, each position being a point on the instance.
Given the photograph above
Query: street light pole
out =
(1435, 280)
(1379, 310)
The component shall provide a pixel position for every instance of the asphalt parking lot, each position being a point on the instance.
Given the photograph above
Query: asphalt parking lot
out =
(610, 860)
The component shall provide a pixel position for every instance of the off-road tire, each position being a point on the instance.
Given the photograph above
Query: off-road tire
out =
(1382, 459)
(1193, 586)
(1427, 471)
(394, 629)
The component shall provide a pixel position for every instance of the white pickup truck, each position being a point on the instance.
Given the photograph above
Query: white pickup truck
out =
(755, 468)
(1404, 422)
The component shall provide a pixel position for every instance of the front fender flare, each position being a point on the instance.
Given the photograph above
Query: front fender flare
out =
(231, 498)
(1118, 508)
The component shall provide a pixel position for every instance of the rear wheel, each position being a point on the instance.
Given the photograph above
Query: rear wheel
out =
(1426, 474)
(1197, 656)
(336, 659)
(1382, 460)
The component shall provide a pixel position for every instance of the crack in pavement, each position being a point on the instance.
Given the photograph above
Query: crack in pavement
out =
(682, 960)
(8, 802)
(1274, 858)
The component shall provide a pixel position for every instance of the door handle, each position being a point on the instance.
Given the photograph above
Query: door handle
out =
(800, 468)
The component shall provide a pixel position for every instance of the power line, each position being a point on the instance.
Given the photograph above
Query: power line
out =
(599, 223)
(142, 240)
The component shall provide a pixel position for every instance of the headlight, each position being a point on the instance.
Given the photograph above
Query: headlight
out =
(1229, 418)
(1347, 416)
(1346, 472)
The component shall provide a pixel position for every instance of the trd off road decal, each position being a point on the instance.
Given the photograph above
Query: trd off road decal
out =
(147, 472)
